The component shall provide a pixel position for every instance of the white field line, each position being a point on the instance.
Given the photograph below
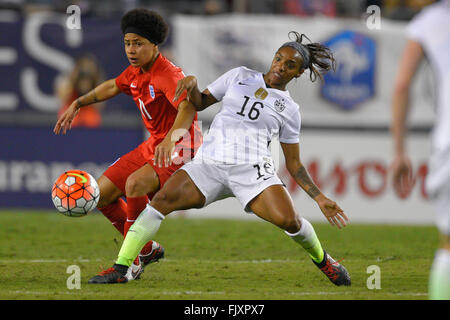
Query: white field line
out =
(47, 260)
(165, 260)
(70, 292)
(324, 293)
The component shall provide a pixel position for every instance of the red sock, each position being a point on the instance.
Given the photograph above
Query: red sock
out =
(135, 205)
(147, 248)
(116, 212)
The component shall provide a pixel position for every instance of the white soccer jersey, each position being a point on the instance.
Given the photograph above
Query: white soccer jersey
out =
(250, 116)
(431, 28)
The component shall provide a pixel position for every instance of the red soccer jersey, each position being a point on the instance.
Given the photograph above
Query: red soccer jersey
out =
(153, 93)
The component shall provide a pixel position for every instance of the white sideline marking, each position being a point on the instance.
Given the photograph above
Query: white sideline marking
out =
(165, 260)
(306, 260)
(101, 293)
(191, 292)
(324, 293)
(349, 292)
(39, 292)
(47, 260)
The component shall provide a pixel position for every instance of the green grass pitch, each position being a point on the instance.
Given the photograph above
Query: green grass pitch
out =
(210, 259)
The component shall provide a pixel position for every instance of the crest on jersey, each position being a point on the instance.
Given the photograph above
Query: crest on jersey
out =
(280, 104)
(152, 91)
(261, 93)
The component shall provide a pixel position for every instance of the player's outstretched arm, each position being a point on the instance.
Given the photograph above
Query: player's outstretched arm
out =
(334, 214)
(401, 165)
(201, 100)
(102, 92)
(183, 121)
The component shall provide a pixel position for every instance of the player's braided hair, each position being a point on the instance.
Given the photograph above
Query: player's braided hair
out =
(321, 57)
(150, 23)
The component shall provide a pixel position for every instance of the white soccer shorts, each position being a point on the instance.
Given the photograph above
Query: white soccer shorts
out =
(243, 181)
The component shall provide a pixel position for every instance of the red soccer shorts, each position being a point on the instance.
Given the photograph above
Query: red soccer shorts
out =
(122, 168)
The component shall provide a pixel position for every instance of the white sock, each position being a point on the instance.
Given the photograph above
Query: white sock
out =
(307, 238)
(142, 231)
(439, 284)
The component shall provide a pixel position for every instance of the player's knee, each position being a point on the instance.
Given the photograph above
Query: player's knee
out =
(137, 186)
(159, 198)
(165, 197)
(133, 187)
(291, 224)
(162, 200)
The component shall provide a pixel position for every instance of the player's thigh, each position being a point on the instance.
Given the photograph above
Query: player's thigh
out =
(142, 181)
(178, 193)
(109, 192)
(122, 168)
(275, 205)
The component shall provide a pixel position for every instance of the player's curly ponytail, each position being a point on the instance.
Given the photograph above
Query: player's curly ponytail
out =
(318, 58)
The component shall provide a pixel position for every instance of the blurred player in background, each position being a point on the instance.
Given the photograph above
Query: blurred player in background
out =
(151, 80)
(256, 106)
(85, 76)
(428, 35)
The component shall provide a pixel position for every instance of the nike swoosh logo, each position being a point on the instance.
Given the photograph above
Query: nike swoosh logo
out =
(242, 84)
(267, 178)
(133, 274)
(83, 178)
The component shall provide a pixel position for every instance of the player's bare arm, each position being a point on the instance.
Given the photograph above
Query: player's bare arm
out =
(181, 125)
(401, 166)
(102, 92)
(201, 100)
(334, 214)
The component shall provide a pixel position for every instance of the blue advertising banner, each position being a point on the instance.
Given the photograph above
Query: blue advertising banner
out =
(354, 80)
(38, 49)
(32, 158)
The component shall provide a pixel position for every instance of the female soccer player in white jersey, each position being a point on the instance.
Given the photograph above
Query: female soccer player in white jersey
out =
(234, 159)
(428, 35)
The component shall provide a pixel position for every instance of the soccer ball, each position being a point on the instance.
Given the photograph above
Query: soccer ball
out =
(75, 193)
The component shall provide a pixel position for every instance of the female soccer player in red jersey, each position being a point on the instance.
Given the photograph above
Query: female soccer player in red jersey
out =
(256, 107)
(151, 80)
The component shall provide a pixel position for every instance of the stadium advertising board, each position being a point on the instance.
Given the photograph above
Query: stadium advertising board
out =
(32, 158)
(37, 49)
(358, 94)
(353, 170)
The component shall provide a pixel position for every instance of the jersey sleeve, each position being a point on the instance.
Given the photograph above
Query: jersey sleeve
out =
(168, 85)
(290, 130)
(415, 30)
(219, 87)
(123, 81)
